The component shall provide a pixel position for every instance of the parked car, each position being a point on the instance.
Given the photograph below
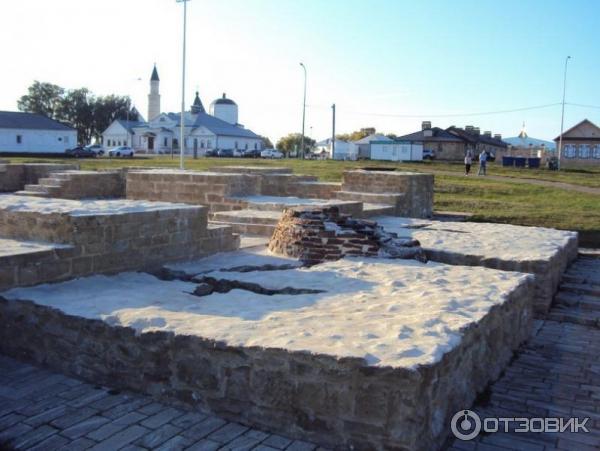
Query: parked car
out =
(225, 153)
(96, 148)
(211, 153)
(251, 153)
(428, 154)
(121, 151)
(271, 153)
(80, 152)
(238, 153)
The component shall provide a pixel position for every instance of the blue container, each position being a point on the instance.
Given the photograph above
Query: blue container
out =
(508, 161)
(534, 162)
(520, 162)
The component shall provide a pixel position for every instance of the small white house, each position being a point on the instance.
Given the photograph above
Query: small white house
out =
(343, 150)
(34, 133)
(396, 151)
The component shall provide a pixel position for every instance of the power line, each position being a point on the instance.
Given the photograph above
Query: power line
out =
(483, 113)
(583, 105)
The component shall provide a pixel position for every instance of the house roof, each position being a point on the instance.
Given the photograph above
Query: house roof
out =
(475, 138)
(438, 134)
(327, 142)
(30, 121)
(373, 137)
(215, 125)
(526, 141)
(130, 125)
(575, 126)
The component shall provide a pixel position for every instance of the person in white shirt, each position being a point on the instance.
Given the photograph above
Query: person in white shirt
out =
(468, 161)
(482, 163)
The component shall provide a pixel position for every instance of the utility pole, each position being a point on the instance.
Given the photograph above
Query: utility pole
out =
(303, 113)
(562, 116)
(333, 133)
(182, 119)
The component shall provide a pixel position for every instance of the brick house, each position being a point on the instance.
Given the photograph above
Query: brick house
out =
(580, 145)
(452, 143)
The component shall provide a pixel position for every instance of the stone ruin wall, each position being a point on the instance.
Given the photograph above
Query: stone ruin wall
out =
(337, 402)
(14, 177)
(88, 184)
(107, 243)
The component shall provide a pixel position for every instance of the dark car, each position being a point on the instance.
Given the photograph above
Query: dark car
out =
(225, 153)
(211, 153)
(251, 153)
(80, 152)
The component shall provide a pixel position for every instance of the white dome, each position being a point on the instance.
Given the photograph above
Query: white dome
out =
(225, 109)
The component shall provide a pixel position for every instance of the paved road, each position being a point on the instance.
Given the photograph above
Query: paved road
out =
(45, 411)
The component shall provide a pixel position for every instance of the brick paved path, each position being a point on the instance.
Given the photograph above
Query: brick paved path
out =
(555, 374)
(41, 410)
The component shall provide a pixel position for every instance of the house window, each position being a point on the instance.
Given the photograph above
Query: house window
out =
(584, 151)
(208, 143)
(19, 139)
(570, 151)
(236, 144)
(246, 146)
(166, 142)
(175, 143)
(66, 140)
(597, 151)
(255, 146)
(202, 144)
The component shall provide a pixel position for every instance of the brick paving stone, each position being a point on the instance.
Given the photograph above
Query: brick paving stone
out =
(227, 433)
(73, 417)
(162, 417)
(110, 401)
(115, 426)
(203, 429)
(89, 398)
(8, 435)
(241, 443)
(33, 437)
(78, 445)
(151, 409)
(158, 436)
(133, 448)
(176, 443)
(263, 447)
(46, 416)
(255, 433)
(51, 443)
(205, 445)
(119, 410)
(189, 419)
(121, 439)
(277, 441)
(85, 427)
(299, 445)
(10, 420)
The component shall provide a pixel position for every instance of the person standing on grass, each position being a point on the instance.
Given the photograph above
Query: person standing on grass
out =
(468, 161)
(482, 163)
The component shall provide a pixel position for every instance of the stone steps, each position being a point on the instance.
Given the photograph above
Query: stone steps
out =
(248, 228)
(573, 300)
(581, 288)
(30, 193)
(373, 198)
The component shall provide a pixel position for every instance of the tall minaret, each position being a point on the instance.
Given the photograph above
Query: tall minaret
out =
(154, 96)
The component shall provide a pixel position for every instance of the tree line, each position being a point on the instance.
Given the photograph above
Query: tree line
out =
(80, 108)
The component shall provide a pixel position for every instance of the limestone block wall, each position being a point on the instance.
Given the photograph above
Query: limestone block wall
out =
(198, 188)
(337, 402)
(14, 177)
(417, 201)
(86, 184)
(106, 243)
(314, 190)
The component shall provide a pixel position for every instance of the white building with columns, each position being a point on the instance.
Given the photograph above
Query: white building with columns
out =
(203, 131)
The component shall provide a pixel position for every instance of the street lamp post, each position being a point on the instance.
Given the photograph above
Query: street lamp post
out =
(303, 112)
(562, 116)
(182, 119)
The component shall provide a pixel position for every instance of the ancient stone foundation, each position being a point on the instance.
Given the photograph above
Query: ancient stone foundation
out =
(321, 234)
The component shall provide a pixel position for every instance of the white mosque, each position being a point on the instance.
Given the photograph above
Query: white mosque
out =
(218, 129)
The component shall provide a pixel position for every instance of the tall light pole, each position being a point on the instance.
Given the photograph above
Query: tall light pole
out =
(562, 116)
(303, 112)
(128, 125)
(182, 120)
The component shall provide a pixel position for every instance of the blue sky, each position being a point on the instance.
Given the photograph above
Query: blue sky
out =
(379, 61)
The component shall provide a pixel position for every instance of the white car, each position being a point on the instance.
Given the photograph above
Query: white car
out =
(121, 151)
(96, 148)
(271, 153)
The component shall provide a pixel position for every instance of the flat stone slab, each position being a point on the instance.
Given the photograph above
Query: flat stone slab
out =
(84, 207)
(537, 250)
(373, 309)
(11, 248)
(290, 201)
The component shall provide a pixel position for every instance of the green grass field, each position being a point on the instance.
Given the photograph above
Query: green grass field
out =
(508, 201)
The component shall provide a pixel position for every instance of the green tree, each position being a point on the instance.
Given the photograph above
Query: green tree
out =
(267, 144)
(356, 135)
(109, 108)
(292, 141)
(392, 136)
(42, 98)
(77, 109)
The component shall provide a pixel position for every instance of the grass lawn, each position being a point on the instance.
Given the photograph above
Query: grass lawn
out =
(489, 200)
